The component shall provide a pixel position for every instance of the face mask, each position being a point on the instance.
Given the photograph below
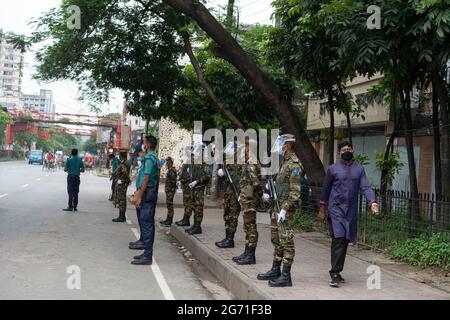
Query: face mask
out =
(281, 151)
(347, 156)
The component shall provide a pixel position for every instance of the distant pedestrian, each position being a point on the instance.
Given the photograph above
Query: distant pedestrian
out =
(145, 200)
(341, 187)
(73, 166)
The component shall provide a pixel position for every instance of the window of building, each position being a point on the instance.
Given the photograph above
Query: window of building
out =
(324, 108)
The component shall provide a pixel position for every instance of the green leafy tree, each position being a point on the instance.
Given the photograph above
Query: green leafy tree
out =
(5, 119)
(25, 139)
(91, 146)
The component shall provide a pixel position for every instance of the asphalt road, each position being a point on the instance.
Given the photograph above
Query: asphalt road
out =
(46, 253)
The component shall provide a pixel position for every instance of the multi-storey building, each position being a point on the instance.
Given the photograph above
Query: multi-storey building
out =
(42, 102)
(11, 74)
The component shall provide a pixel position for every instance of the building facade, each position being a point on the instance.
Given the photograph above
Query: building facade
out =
(11, 74)
(371, 133)
(42, 102)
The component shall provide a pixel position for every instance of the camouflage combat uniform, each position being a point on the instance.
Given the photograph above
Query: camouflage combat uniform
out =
(231, 207)
(250, 192)
(123, 181)
(202, 177)
(185, 178)
(170, 189)
(288, 191)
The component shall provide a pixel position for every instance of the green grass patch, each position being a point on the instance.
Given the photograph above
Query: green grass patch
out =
(423, 251)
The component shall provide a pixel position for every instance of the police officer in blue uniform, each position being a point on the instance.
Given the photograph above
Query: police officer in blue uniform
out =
(145, 200)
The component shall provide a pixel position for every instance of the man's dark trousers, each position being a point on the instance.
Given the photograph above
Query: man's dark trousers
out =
(73, 188)
(338, 252)
(147, 217)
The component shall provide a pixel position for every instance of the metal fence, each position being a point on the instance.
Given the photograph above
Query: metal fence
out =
(11, 154)
(402, 216)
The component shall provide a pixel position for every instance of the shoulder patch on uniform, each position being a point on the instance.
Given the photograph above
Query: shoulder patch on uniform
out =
(249, 169)
(296, 171)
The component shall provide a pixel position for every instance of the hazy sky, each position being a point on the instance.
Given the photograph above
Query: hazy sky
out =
(15, 15)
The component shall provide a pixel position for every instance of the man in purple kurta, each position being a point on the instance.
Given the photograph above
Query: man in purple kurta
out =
(341, 187)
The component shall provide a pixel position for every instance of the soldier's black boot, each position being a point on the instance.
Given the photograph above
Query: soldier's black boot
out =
(167, 222)
(120, 218)
(273, 273)
(183, 222)
(249, 258)
(284, 280)
(235, 259)
(195, 229)
(228, 242)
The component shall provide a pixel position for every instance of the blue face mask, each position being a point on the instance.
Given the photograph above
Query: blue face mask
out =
(281, 152)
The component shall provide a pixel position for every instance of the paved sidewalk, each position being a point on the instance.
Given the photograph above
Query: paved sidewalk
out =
(309, 272)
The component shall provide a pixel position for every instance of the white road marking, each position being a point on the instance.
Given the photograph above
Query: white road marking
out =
(129, 222)
(38, 179)
(158, 274)
(25, 185)
(3, 195)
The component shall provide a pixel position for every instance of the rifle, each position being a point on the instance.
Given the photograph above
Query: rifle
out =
(191, 179)
(230, 181)
(274, 197)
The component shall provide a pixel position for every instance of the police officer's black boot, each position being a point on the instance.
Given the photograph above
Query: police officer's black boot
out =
(284, 280)
(120, 218)
(235, 259)
(195, 229)
(228, 242)
(167, 222)
(183, 222)
(273, 273)
(249, 258)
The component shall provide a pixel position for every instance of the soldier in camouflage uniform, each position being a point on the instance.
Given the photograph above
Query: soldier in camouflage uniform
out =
(122, 174)
(250, 191)
(231, 206)
(288, 188)
(170, 189)
(185, 178)
(199, 179)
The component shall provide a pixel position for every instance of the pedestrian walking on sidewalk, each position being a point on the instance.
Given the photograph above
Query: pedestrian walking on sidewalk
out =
(288, 188)
(170, 189)
(250, 191)
(339, 197)
(123, 181)
(73, 166)
(231, 206)
(199, 180)
(145, 200)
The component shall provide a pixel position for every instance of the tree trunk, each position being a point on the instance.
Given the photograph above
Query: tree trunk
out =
(230, 50)
(383, 181)
(413, 212)
(331, 132)
(442, 93)
(230, 14)
(437, 156)
(349, 127)
(205, 85)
